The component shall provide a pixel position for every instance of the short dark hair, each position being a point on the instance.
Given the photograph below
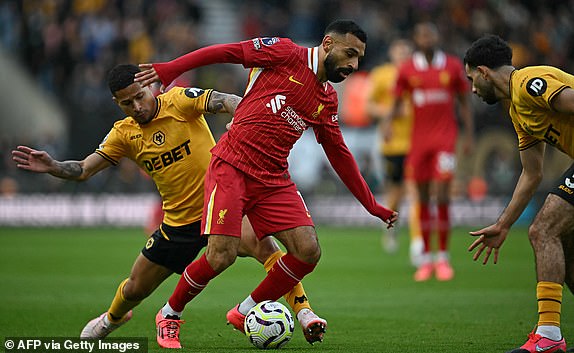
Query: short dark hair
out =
(121, 76)
(490, 50)
(346, 26)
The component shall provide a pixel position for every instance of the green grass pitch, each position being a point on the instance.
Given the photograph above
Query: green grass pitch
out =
(54, 280)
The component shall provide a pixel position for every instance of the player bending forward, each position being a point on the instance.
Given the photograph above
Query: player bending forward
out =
(542, 110)
(248, 174)
(169, 139)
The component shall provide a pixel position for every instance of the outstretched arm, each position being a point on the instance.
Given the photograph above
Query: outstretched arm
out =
(27, 158)
(168, 71)
(492, 237)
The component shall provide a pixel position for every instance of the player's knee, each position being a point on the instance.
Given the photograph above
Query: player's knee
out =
(535, 234)
(220, 259)
(309, 252)
(221, 251)
(134, 291)
(265, 248)
(220, 262)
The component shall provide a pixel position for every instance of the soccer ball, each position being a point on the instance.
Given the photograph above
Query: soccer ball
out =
(269, 325)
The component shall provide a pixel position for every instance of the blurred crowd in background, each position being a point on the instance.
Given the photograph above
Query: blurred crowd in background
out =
(67, 46)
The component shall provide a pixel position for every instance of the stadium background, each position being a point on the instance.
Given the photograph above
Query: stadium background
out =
(54, 55)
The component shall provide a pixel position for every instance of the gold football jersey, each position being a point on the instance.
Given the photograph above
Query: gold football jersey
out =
(173, 148)
(532, 90)
(383, 79)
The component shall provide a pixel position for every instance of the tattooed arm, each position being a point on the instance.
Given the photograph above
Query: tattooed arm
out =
(41, 162)
(223, 103)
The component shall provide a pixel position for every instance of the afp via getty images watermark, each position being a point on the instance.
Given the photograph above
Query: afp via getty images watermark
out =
(75, 345)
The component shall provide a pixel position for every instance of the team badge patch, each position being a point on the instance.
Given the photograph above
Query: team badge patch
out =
(193, 92)
(256, 44)
(149, 243)
(268, 41)
(158, 138)
(536, 86)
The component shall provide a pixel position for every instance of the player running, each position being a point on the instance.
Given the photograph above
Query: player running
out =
(169, 139)
(248, 175)
(541, 102)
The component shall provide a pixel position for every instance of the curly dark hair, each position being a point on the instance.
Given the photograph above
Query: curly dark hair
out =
(121, 76)
(347, 26)
(490, 50)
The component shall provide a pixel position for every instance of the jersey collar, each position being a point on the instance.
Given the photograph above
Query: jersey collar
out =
(313, 59)
(421, 64)
(313, 62)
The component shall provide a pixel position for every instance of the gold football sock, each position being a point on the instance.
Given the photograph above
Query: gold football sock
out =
(296, 297)
(549, 295)
(120, 306)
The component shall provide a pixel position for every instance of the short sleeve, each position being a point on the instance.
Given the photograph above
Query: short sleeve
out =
(539, 91)
(112, 148)
(401, 84)
(525, 140)
(191, 100)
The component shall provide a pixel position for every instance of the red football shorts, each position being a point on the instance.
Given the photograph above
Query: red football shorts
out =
(432, 163)
(230, 194)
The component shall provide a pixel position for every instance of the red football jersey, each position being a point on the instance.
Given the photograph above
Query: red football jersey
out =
(432, 89)
(283, 98)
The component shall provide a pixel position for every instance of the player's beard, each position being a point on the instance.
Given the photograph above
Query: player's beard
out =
(333, 72)
(488, 95)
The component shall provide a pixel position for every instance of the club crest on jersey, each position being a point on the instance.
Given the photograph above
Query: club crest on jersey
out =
(221, 219)
(158, 138)
(319, 110)
(149, 243)
(193, 92)
(536, 86)
(268, 41)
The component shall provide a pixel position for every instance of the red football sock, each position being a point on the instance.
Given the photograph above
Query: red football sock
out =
(425, 222)
(284, 275)
(195, 277)
(443, 227)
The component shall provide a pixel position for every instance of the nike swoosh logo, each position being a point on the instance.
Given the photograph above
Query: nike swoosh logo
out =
(544, 349)
(294, 80)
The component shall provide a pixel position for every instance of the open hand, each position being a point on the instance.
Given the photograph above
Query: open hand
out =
(30, 159)
(489, 239)
(147, 76)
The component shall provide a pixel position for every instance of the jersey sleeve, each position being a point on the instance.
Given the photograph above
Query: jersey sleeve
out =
(401, 84)
(267, 51)
(191, 101)
(329, 132)
(525, 140)
(539, 90)
(112, 148)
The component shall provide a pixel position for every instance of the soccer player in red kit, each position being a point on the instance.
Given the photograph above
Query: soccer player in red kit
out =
(287, 93)
(433, 81)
